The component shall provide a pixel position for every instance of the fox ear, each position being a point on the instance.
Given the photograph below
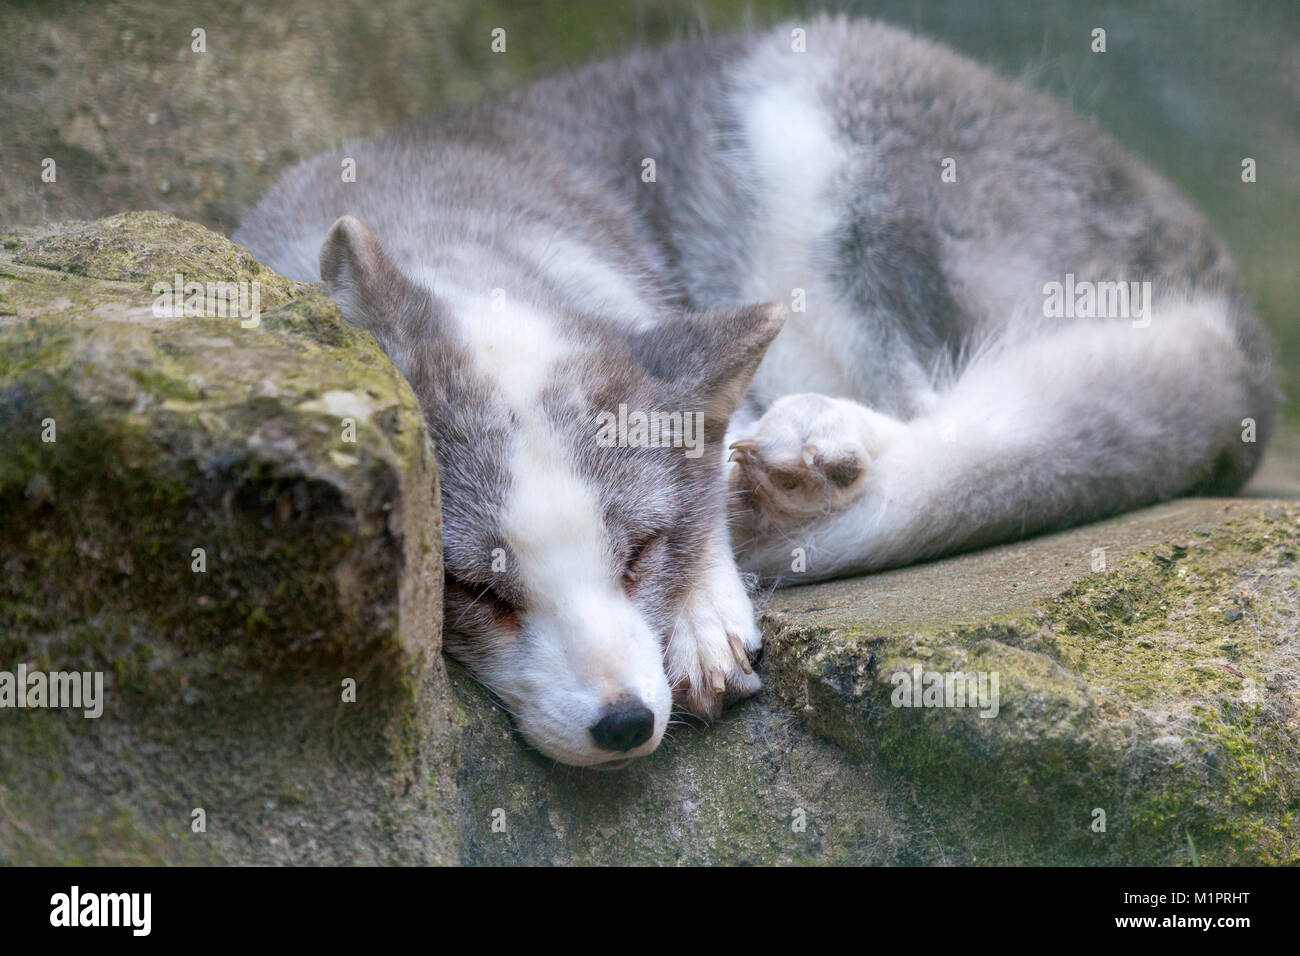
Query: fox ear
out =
(372, 291)
(712, 355)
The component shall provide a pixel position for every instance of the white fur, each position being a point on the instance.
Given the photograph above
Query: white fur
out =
(717, 609)
(588, 645)
(585, 644)
(1006, 436)
(796, 158)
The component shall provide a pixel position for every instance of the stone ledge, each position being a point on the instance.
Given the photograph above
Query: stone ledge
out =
(1161, 691)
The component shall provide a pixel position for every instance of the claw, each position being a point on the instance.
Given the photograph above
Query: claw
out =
(719, 681)
(742, 450)
(738, 651)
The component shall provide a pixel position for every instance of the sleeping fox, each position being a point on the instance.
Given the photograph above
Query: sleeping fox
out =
(780, 307)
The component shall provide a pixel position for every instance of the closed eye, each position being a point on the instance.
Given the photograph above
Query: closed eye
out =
(481, 595)
(636, 557)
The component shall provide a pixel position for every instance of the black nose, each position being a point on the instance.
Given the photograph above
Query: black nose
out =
(625, 724)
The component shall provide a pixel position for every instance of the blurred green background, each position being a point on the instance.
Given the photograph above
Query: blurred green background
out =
(136, 119)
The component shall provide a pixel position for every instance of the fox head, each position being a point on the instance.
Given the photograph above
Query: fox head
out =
(580, 462)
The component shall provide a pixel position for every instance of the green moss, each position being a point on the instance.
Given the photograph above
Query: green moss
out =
(181, 433)
(1233, 789)
(1107, 693)
(146, 247)
(222, 685)
(1184, 639)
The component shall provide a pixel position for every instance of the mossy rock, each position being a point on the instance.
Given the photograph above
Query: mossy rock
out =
(228, 522)
(146, 247)
(756, 788)
(1156, 696)
(291, 455)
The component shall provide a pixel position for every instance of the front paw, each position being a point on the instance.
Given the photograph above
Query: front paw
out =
(711, 654)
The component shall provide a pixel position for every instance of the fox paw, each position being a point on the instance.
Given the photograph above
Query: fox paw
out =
(809, 455)
(714, 646)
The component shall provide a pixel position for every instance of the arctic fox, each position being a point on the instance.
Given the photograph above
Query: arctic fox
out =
(833, 251)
